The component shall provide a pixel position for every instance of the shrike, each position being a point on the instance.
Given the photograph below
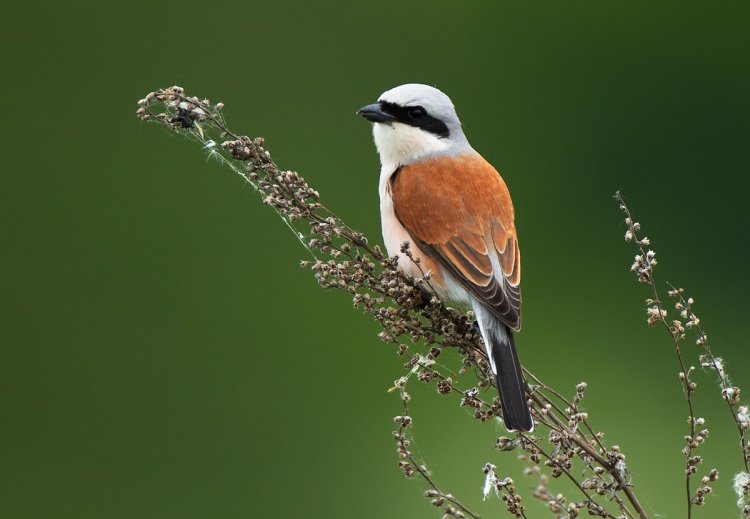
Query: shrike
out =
(442, 197)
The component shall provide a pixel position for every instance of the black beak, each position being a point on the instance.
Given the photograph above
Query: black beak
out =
(374, 113)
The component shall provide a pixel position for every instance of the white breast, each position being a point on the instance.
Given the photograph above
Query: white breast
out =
(394, 234)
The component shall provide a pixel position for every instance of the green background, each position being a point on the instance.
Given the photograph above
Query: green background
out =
(162, 354)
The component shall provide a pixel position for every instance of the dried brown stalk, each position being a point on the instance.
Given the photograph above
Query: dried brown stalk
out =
(420, 327)
(643, 266)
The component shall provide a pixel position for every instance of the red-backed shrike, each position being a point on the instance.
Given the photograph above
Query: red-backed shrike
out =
(440, 195)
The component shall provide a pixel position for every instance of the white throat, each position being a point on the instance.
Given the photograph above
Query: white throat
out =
(400, 144)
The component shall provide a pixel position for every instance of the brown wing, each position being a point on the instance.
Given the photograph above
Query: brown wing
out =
(458, 211)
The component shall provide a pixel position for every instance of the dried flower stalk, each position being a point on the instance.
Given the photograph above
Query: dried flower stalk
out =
(643, 267)
(564, 445)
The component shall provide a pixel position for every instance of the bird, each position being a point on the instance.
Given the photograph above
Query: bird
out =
(454, 210)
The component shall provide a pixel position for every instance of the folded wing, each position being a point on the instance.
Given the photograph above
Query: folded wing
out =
(458, 211)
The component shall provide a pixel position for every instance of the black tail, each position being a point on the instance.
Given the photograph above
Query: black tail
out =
(516, 414)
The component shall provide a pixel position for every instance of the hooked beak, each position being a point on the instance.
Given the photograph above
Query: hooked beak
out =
(374, 113)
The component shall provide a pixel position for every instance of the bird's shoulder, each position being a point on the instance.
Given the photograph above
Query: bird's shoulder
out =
(451, 194)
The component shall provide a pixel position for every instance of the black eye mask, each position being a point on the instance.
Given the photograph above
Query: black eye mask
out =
(416, 116)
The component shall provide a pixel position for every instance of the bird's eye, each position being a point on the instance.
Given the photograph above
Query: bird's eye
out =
(416, 113)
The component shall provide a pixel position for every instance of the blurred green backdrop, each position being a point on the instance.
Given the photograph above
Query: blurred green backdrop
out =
(162, 355)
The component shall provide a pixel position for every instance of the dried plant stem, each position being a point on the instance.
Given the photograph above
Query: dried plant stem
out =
(545, 388)
(575, 482)
(410, 465)
(400, 306)
(659, 313)
(609, 467)
(643, 266)
(729, 393)
(407, 313)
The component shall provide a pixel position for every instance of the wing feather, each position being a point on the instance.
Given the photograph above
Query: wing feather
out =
(458, 211)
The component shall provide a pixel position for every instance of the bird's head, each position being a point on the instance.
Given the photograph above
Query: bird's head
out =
(413, 122)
